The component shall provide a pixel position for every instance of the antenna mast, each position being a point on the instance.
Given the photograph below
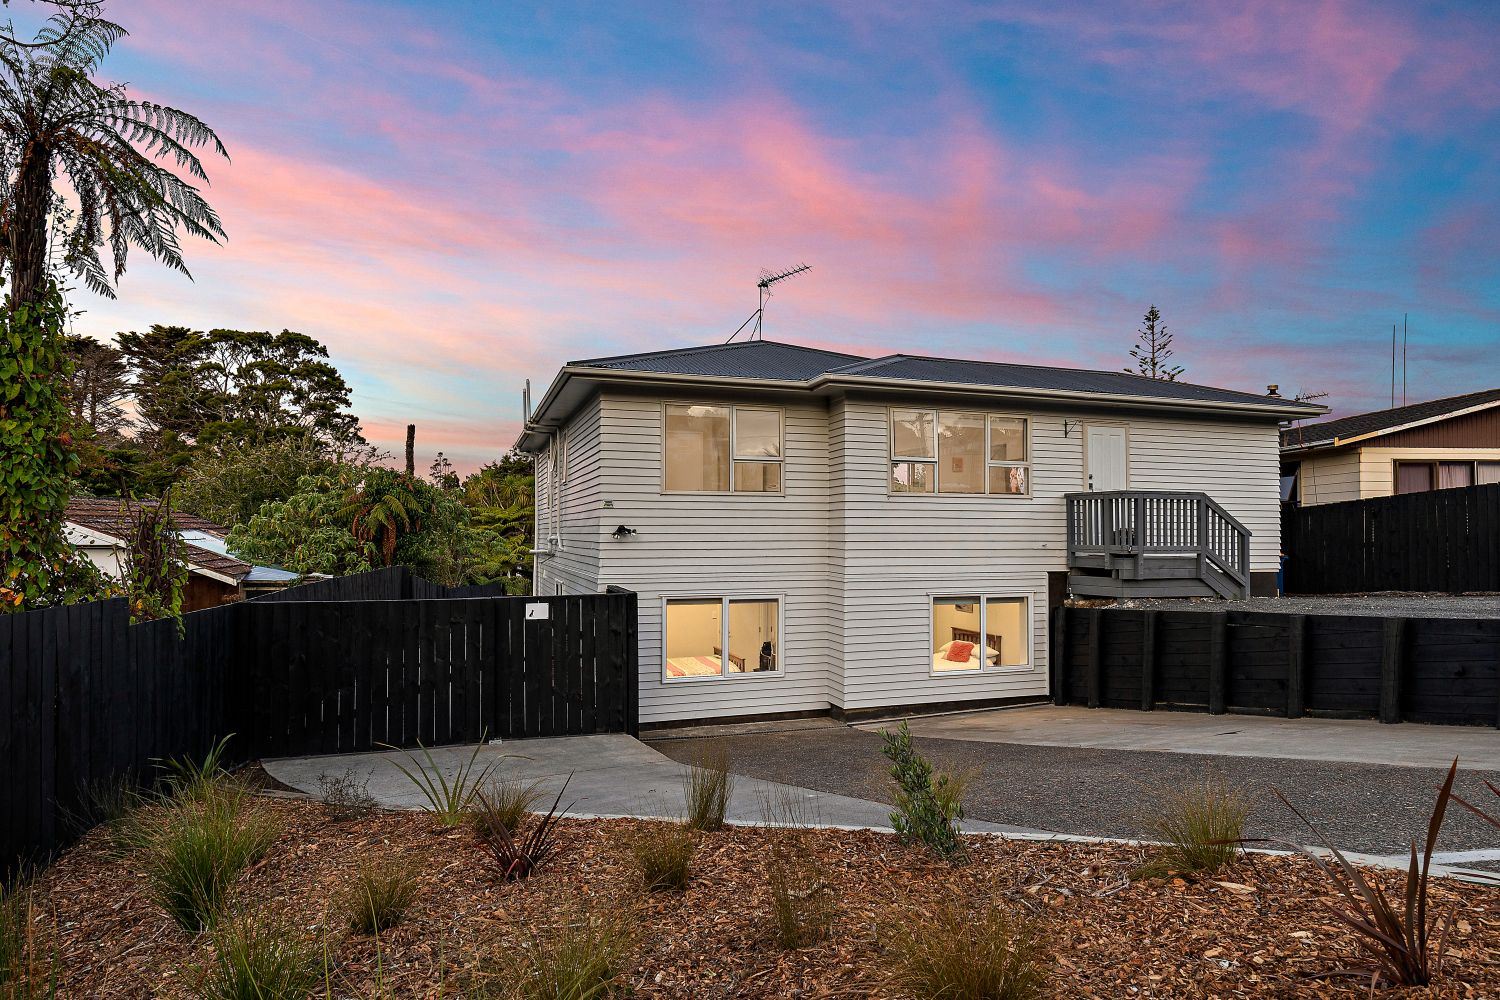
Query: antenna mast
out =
(767, 279)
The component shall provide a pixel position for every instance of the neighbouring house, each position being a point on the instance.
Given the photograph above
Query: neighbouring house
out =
(1435, 445)
(811, 531)
(97, 526)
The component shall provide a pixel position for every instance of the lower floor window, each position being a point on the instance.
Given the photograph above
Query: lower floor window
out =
(974, 631)
(722, 636)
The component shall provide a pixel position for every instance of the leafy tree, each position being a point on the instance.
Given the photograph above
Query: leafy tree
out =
(231, 483)
(111, 149)
(442, 474)
(309, 531)
(168, 372)
(98, 385)
(266, 386)
(1152, 351)
(384, 509)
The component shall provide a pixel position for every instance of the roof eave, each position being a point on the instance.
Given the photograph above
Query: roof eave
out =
(542, 422)
(1073, 395)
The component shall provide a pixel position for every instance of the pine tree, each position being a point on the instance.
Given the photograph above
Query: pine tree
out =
(1152, 351)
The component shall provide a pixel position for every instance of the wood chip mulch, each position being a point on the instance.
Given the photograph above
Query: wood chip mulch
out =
(1258, 930)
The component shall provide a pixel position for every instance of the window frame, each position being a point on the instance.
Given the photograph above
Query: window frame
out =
(984, 597)
(724, 600)
(733, 409)
(893, 459)
(1434, 466)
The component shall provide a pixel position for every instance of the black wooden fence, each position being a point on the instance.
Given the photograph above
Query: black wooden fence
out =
(1444, 540)
(1435, 670)
(86, 697)
(394, 583)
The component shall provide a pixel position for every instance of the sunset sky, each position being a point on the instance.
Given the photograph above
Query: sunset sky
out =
(456, 196)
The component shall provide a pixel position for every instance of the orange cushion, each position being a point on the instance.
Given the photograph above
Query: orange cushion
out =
(959, 652)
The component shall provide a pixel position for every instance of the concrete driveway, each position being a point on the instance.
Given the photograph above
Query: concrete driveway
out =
(1407, 744)
(607, 776)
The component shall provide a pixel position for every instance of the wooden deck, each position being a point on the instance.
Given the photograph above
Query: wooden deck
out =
(1153, 543)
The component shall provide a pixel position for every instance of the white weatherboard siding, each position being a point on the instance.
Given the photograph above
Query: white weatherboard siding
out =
(900, 551)
(1238, 464)
(571, 512)
(716, 545)
(1329, 478)
(856, 568)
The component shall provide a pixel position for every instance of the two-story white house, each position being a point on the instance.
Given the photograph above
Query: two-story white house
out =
(815, 532)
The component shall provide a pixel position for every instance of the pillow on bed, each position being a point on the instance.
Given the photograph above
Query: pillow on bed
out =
(959, 652)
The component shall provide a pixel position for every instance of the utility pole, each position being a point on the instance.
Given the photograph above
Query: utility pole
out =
(411, 450)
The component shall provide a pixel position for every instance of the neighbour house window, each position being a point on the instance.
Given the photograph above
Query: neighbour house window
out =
(973, 632)
(722, 449)
(1423, 476)
(721, 637)
(959, 452)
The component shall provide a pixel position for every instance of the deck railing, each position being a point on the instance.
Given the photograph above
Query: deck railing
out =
(1155, 522)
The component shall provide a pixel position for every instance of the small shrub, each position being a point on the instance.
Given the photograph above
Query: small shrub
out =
(663, 854)
(928, 805)
(504, 805)
(105, 802)
(23, 973)
(1405, 939)
(802, 908)
(189, 778)
(447, 798)
(346, 796)
(198, 851)
(380, 895)
(956, 955)
(1201, 826)
(584, 960)
(518, 856)
(258, 960)
(707, 787)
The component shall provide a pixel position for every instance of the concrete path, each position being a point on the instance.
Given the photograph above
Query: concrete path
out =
(1359, 741)
(611, 776)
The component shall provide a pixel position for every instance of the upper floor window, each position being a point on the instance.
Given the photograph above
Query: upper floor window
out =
(722, 449)
(959, 451)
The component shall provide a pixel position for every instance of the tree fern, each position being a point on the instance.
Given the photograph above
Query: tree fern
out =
(121, 159)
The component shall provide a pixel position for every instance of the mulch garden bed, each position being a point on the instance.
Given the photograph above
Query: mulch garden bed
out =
(1255, 930)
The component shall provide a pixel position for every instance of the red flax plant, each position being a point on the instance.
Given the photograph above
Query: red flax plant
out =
(519, 856)
(1404, 939)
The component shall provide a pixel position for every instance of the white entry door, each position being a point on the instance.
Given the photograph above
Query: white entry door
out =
(1104, 450)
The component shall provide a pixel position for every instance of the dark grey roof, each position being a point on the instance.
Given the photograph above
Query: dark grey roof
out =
(764, 359)
(748, 359)
(1382, 420)
(1013, 376)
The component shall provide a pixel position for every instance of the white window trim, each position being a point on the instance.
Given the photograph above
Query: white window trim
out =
(985, 415)
(780, 412)
(984, 614)
(724, 599)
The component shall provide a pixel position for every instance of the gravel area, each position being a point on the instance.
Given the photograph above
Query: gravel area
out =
(1360, 807)
(1377, 605)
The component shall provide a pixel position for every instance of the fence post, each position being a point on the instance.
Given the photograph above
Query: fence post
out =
(1391, 660)
(1218, 666)
(1148, 661)
(1296, 666)
(1096, 659)
(1060, 655)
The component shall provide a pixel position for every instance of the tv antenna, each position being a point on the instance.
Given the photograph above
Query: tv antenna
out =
(767, 279)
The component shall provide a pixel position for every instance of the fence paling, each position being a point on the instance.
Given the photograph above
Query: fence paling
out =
(1445, 540)
(87, 697)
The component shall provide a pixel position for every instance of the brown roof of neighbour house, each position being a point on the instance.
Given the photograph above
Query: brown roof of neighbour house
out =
(1359, 425)
(109, 516)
